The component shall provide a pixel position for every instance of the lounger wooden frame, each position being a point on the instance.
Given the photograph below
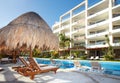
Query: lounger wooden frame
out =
(36, 69)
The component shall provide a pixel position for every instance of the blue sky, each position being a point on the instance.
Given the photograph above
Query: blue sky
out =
(49, 10)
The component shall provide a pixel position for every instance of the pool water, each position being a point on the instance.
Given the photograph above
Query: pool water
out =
(111, 68)
(62, 63)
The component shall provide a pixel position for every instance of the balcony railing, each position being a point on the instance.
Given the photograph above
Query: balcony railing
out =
(116, 27)
(76, 36)
(97, 43)
(91, 23)
(67, 33)
(78, 28)
(78, 21)
(65, 26)
(79, 38)
(55, 28)
(100, 43)
(97, 32)
(116, 15)
(93, 14)
(77, 45)
(116, 41)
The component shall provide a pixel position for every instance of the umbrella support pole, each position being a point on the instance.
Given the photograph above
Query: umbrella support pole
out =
(30, 52)
(14, 57)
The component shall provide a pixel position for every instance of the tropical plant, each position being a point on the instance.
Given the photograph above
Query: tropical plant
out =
(36, 52)
(54, 54)
(24, 53)
(84, 57)
(109, 54)
(64, 41)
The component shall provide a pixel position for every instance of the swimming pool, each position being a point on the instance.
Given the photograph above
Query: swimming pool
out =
(112, 68)
(63, 63)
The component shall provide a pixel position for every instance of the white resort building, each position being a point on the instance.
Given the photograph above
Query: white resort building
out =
(88, 24)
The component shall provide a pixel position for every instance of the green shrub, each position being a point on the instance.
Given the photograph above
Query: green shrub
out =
(54, 54)
(84, 57)
(108, 57)
(3, 56)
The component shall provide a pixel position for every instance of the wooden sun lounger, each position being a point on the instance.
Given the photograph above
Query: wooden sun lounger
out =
(36, 69)
(96, 66)
(78, 65)
(26, 64)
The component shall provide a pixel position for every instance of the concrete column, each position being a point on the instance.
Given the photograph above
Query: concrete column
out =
(60, 26)
(110, 21)
(71, 27)
(86, 22)
(70, 30)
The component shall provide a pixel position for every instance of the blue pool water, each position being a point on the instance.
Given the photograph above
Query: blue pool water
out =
(112, 68)
(63, 63)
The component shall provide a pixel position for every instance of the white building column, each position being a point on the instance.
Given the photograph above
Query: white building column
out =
(71, 27)
(60, 24)
(86, 23)
(110, 21)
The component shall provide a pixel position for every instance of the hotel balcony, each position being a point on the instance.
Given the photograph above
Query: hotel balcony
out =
(55, 28)
(78, 22)
(101, 5)
(98, 13)
(116, 13)
(65, 17)
(78, 30)
(56, 31)
(78, 15)
(65, 27)
(98, 33)
(56, 24)
(79, 8)
(67, 33)
(79, 44)
(116, 29)
(116, 42)
(98, 23)
(116, 17)
(80, 38)
(97, 45)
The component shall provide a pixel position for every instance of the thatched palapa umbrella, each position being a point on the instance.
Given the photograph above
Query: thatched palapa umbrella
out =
(27, 32)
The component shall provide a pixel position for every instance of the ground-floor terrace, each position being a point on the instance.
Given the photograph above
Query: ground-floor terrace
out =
(100, 52)
(8, 75)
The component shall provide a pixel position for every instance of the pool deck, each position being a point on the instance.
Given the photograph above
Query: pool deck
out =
(8, 75)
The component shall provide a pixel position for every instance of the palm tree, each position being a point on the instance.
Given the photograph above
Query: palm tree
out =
(64, 41)
(109, 55)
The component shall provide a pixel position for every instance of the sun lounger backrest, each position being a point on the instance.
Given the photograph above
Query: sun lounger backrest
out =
(23, 61)
(34, 64)
(77, 64)
(95, 65)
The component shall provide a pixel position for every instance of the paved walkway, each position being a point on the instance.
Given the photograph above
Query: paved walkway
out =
(62, 76)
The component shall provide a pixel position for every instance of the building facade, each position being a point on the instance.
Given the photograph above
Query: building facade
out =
(88, 24)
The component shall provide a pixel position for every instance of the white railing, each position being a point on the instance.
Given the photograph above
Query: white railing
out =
(97, 13)
(65, 26)
(98, 33)
(79, 38)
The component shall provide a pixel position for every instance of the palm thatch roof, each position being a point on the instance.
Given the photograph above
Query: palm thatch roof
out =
(28, 31)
